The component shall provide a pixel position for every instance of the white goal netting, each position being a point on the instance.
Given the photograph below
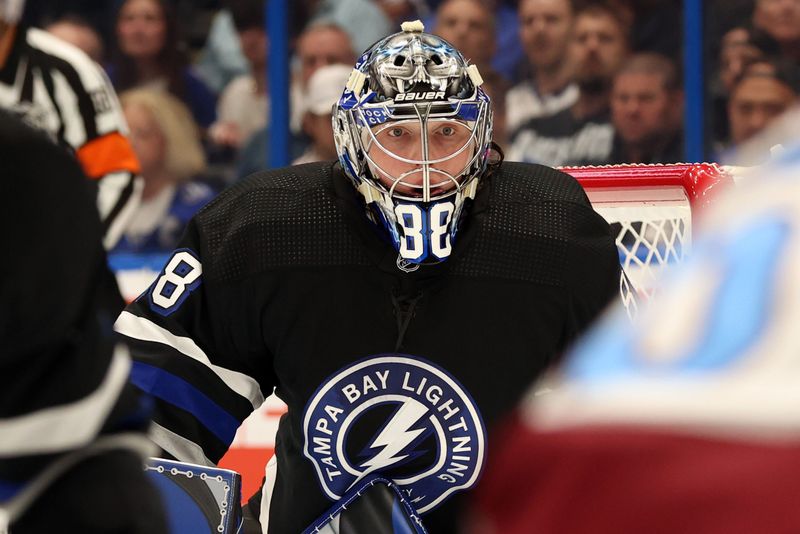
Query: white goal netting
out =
(650, 208)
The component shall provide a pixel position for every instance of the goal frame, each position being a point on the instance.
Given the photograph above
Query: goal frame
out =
(652, 209)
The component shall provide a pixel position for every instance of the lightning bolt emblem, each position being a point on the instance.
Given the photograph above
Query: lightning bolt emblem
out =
(396, 436)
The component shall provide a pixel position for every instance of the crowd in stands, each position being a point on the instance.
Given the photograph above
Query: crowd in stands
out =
(573, 82)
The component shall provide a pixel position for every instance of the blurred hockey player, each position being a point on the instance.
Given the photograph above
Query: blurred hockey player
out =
(687, 422)
(397, 300)
(72, 431)
(55, 87)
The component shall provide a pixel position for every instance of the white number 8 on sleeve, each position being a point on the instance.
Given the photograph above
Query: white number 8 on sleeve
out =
(181, 275)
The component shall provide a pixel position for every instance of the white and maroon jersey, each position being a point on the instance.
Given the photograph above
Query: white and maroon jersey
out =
(53, 86)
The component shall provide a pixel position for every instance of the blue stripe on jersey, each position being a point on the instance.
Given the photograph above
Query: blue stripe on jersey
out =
(179, 392)
(8, 490)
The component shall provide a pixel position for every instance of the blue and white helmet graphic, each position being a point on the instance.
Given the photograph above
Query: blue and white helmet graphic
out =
(413, 133)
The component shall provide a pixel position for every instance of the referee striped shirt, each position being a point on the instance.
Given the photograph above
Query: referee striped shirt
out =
(55, 87)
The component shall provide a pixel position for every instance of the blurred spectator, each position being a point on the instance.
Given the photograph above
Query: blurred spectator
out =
(653, 25)
(99, 14)
(323, 44)
(363, 20)
(599, 48)
(470, 26)
(647, 111)
(167, 143)
(737, 50)
(254, 154)
(581, 134)
(497, 88)
(320, 44)
(75, 30)
(765, 90)
(324, 90)
(780, 19)
(196, 17)
(55, 87)
(725, 15)
(221, 59)
(244, 105)
(545, 28)
(148, 54)
(399, 11)
(509, 59)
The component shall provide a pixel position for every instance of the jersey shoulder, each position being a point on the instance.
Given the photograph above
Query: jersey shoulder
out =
(271, 195)
(531, 182)
(90, 73)
(535, 220)
(278, 218)
(78, 78)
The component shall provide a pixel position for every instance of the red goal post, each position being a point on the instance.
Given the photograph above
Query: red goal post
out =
(651, 210)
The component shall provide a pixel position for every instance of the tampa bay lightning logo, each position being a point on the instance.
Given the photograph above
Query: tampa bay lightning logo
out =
(402, 417)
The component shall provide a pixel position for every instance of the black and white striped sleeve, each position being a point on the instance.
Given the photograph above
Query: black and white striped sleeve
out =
(195, 353)
(93, 125)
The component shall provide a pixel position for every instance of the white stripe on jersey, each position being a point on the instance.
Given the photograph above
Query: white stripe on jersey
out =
(143, 329)
(92, 76)
(67, 426)
(271, 474)
(74, 129)
(82, 101)
(107, 198)
(180, 448)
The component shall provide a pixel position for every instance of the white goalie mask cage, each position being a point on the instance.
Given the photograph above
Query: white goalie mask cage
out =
(413, 133)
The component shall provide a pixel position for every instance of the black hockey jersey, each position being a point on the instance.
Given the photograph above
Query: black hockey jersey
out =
(57, 294)
(283, 283)
(67, 409)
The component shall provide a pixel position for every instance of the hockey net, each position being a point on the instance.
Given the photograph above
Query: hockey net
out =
(650, 209)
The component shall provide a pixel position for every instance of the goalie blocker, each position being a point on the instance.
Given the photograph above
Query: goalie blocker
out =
(198, 499)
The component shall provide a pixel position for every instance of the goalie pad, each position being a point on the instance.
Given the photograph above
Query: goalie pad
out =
(198, 499)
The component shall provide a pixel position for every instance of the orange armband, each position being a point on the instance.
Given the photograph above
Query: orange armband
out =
(108, 153)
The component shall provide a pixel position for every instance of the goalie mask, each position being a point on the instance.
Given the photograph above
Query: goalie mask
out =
(413, 133)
